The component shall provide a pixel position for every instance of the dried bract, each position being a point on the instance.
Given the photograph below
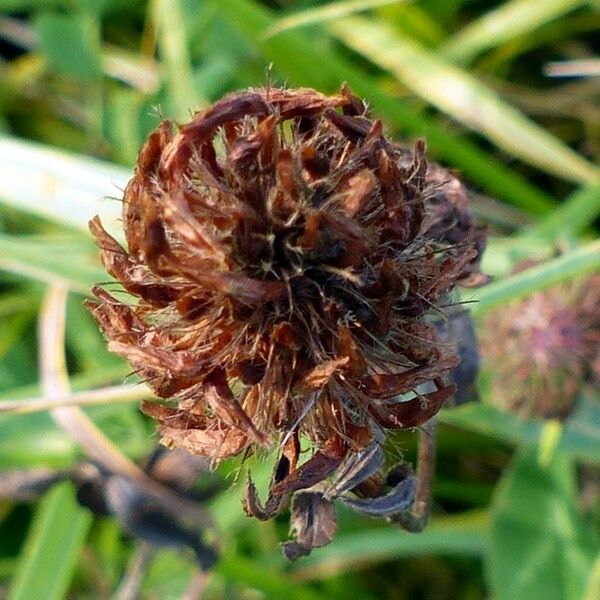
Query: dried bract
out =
(284, 258)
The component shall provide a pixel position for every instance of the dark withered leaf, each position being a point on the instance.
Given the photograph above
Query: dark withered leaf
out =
(91, 480)
(144, 518)
(458, 329)
(400, 498)
(28, 485)
(313, 524)
(180, 471)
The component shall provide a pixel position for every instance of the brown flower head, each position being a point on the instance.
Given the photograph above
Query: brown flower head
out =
(541, 350)
(284, 258)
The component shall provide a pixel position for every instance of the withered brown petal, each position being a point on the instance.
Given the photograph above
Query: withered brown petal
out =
(313, 471)
(411, 413)
(383, 385)
(213, 443)
(221, 399)
(253, 506)
(321, 374)
(313, 524)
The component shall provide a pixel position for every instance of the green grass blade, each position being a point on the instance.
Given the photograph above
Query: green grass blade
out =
(53, 545)
(60, 186)
(572, 217)
(458, 535)
(580, 437)
(72, 261)
(272, 583)
(580, 261)
(592, 591)
(168, 16)
(508, 21)
(332, 10)
(321, 67)
(461, 96)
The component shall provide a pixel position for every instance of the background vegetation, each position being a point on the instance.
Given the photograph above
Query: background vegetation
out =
(91, 77)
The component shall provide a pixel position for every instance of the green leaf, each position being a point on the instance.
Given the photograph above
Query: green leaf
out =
(539, 545)
(580, 437)
(508, 21)
(22, 5)
(169, 20)
(592, 591)
(34, 440)
(52, 547)
(272, 582)
(463, 97)
(71, 45)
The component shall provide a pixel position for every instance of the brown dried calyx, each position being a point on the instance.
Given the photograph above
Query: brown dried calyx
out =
(285, 258)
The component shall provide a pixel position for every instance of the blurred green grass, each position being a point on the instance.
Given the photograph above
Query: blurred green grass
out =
(82, 83)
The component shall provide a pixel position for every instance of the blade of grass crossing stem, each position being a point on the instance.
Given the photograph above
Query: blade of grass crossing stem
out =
(580, 261)
(306, 63)
(332, 10)
(54, 542)
(461, 96)
(572, 217)
(508, 21)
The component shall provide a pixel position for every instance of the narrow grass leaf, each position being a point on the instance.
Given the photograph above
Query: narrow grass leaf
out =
(582, 260)
(579, 439)
(332, 10)
(458, 535)
(508, 21)
(71, 45)
(272, 583)
(53, 545)
(72, 261)
(572, 217)
(56, 185)
(168, 17)
(592, 591)
(461, 96)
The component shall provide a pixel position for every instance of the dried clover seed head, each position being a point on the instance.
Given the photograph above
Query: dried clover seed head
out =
(542, 349)
(284, 258)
